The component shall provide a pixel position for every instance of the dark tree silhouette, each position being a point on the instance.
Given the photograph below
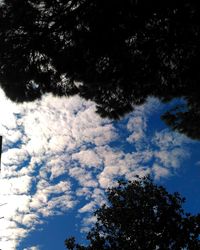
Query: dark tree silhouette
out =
(142, 215)
(116, 53)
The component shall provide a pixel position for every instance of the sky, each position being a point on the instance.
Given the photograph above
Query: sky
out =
(59, 157)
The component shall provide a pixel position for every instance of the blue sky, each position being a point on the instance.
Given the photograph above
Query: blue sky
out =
(59, 157)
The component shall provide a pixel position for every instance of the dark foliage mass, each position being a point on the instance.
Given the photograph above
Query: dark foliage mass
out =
(116, 53)
(141, 215)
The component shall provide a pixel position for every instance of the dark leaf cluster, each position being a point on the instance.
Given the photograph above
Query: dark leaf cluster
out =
(141, 215)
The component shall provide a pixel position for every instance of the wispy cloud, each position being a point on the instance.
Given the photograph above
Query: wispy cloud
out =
(53, 142)
(32, 248)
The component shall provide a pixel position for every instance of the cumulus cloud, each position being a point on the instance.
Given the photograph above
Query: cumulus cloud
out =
(53, 143)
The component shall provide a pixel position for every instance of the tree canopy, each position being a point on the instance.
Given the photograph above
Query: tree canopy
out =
(141, 215)
(115, 53)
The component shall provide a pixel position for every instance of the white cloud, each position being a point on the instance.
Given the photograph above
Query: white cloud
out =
(32, 248)
(53, 142)
(88, 207)
(15, 185)
(160, 171)
(87, 157)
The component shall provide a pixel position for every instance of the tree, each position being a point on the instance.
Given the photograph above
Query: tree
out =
(142, 215)
(115, 53)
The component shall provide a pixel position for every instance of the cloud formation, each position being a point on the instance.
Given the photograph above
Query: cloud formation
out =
(53, 143)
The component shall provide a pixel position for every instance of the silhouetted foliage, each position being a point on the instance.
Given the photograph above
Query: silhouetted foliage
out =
(142, 215)
(116, 53)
